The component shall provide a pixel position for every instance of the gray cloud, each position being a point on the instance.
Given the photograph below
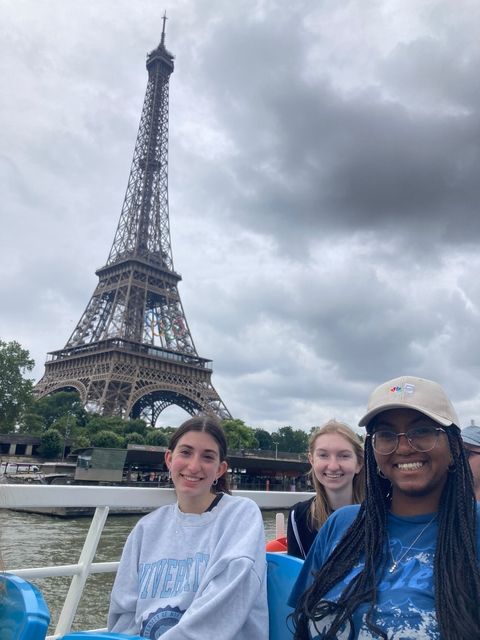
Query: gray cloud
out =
(323, 187)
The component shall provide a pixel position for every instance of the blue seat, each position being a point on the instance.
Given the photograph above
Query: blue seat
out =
(24, 614)
(282, 573)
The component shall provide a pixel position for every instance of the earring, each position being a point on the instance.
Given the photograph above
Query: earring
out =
(381, 474)
(214, 483)
(169, 475)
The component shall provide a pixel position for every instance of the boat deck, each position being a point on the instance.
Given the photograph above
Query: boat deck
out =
(102, 499)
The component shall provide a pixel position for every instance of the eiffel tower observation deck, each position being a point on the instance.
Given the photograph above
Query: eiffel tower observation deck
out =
(132, 353)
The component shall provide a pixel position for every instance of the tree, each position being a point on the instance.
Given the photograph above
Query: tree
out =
(15, 389)
(239, 436)
(51, 444)
(106, 423)
(81, 441)
(134, 438)
(62, 404)
(156, 438)
(292, 440)
(108, 439)
(32, 423)
(168, 431)
(264, 439)
(136, 425)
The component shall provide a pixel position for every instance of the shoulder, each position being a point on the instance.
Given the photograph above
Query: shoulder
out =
(333, 531)
(238, 530)
(303, 506)
(325, 542)
(345, 514)
(238, 504)
(239, 518)
(163, 514)
(336, 524)
(148, 528)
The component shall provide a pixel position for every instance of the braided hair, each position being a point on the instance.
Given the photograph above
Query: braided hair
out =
(456, 571)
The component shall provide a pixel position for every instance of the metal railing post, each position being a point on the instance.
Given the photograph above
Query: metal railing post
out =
(77, 584)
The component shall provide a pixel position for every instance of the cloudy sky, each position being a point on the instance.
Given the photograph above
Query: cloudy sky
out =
(324, 184)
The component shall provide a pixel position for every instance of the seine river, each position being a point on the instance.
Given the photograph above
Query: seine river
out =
(29, 540)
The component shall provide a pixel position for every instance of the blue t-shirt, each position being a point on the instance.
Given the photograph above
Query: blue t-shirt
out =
(405, 608)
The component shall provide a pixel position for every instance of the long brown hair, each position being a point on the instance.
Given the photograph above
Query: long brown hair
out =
(321, 508)
(211, 425)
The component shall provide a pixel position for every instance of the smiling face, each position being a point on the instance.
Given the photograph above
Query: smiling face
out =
(417, 477)
(334, 462)
(194, 465)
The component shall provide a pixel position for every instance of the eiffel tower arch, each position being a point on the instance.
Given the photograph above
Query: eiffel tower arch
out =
(132, 353)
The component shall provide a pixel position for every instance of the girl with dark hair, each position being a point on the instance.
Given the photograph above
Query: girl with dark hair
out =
(405, 564)
(335, 453)
(196, 568)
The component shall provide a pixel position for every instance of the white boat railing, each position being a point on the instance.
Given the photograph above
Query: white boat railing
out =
(27, 496)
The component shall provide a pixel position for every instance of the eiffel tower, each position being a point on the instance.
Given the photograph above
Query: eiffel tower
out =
(132, 353)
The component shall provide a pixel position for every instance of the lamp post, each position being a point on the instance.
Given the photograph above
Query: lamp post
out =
(276, 448)
(67, 433)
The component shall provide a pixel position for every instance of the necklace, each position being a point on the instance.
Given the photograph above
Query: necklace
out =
(398, 560)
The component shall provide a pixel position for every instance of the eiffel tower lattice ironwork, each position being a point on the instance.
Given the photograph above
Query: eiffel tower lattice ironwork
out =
(132, 354)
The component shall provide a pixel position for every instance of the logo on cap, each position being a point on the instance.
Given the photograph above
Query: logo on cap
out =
(395, 389)
(408, 388)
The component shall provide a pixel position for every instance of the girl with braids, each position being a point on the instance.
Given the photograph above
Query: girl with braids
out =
(196, 568)
(335, 453)
(405, 564)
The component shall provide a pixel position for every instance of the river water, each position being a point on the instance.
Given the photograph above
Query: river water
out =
(29, 540)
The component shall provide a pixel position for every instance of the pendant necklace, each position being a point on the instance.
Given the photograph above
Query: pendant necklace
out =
(398, 560)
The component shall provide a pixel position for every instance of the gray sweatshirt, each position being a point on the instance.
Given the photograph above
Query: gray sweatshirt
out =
(194, 577)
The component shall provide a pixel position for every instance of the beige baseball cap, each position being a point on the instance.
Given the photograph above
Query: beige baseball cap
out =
(408, 392)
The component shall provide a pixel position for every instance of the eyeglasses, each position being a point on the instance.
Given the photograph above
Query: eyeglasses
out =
(421, 439)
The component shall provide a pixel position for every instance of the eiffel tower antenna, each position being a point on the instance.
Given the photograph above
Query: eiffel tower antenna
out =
(132, 353)
(164, 19)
